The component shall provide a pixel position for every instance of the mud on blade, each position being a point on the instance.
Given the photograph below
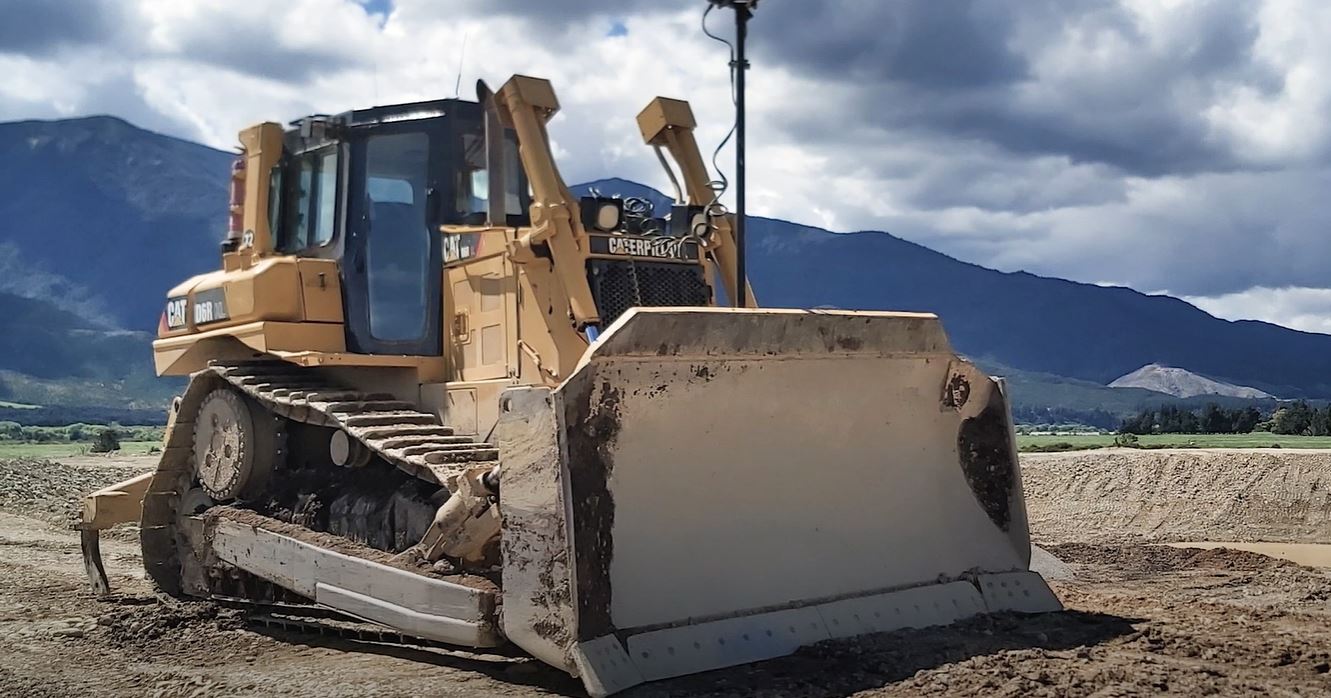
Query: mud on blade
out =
(734, 484)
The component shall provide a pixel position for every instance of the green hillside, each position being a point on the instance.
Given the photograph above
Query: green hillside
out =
(52, 357)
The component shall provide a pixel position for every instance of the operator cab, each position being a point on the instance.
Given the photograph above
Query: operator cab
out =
(374, 189)
(371, 188)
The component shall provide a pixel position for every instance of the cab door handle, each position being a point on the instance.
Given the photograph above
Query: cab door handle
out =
(462, 327)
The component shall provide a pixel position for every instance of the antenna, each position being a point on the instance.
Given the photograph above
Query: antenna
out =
(738, 65)
(462, 55)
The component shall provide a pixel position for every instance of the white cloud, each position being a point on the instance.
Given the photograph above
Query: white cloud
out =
(1290, 124)
(1307, 309)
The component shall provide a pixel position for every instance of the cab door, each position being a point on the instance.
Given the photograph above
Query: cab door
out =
(392, 260)
(483, 316)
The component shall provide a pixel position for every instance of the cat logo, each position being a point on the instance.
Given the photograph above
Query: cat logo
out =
(657, 246)
(175, 313)
(660, 247)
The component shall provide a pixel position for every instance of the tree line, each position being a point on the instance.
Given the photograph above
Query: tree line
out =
(61, 415)
(1295, 418)
(75, 433)
(1099, 418)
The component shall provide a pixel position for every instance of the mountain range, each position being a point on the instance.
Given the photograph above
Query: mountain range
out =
(1016, 319)
(101, 218)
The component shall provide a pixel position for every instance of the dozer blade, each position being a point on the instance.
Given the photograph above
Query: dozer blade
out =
(718, 486)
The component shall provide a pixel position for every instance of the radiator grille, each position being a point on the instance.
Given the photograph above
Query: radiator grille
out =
(620, 285)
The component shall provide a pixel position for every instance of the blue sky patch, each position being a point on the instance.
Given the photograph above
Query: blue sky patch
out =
(377, 7)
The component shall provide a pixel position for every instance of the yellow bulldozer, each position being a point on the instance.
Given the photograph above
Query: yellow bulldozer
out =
(433, 390)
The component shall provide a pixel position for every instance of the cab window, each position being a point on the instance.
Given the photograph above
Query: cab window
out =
(471, 186)
(325, 201)
(311, 201)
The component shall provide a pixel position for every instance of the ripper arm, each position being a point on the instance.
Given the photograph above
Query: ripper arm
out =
(669, 123)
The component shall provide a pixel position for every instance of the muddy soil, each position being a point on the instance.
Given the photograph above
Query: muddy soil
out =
(1142, 620)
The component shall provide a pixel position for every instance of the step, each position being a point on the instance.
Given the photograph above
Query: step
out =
(342, 395)
(368, 406)
(427, 448)
(418, 439)
(277, 380)
(388, 432)
(473, 456)
(377, 419)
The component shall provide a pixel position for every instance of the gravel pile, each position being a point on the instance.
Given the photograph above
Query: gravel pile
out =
(51, 490)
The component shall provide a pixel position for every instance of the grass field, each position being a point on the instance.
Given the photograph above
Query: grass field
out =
(10, 449)
(1254, 440)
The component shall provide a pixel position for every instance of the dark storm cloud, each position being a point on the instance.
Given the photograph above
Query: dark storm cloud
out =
(998, 72)
(1059, 137)
(563, 12)
(999, 184)
(930, 45)
(261, 55)
(41, 27)
(1029, 77)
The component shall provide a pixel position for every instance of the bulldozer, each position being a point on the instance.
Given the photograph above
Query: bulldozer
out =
(432, 390)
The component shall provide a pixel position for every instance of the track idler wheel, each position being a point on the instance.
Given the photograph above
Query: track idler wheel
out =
(235, 444)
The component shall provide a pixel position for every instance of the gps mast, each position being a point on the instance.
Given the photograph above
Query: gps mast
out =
(738, 65)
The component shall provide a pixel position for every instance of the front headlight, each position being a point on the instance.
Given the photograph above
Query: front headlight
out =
(607, 216)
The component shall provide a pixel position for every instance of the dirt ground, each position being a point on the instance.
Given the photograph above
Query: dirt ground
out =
(1143, 619)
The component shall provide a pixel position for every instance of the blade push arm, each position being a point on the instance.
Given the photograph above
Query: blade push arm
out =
(526, 104)
(669, 123)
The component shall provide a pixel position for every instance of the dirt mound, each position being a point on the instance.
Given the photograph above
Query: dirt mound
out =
(52, 490)
(1179, 495)
(1162, 558)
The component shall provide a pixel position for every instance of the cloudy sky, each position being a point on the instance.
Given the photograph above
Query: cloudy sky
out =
(1179, 146)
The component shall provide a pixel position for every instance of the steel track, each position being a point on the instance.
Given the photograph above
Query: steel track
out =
(413, 441)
